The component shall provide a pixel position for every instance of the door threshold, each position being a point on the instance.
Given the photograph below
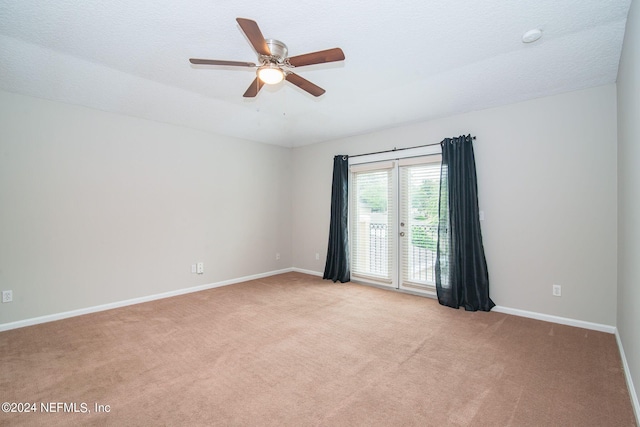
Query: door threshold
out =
(425, 294)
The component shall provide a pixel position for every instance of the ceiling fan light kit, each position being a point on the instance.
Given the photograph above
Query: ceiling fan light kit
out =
(275, 64)
(270, 74)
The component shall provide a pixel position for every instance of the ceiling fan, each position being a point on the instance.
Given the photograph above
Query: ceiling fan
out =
(274, 64)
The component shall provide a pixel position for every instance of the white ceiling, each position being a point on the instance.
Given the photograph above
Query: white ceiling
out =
(406, 61)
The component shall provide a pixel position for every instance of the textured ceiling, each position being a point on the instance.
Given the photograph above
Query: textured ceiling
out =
(405, 61)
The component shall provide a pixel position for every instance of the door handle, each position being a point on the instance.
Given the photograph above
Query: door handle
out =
(402, 234)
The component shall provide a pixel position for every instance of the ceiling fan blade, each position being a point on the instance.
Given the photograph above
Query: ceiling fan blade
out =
(253, 33)
(305, 84)
(253, 90)
(218, 62)
(322, 56)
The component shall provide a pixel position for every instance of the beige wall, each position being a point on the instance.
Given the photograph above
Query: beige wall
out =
(629, 195)
(547, 184)
(98, 208)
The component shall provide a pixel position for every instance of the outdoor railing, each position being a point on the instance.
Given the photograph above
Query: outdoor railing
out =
(420, 258)
(378, 249)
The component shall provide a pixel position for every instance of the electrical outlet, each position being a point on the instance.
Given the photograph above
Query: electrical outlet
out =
(317, 256)
(557, 290)
(277, 255)
(200, 267)
(7, 296)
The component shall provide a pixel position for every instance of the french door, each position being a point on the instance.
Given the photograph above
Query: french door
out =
(394, 222)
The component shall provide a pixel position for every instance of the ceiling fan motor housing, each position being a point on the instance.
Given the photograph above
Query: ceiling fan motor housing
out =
(278, 50)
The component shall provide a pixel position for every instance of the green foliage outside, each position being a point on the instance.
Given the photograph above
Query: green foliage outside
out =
(374, 195)
(425, 209)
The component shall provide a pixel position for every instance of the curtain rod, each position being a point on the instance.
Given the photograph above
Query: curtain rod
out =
(400, 149)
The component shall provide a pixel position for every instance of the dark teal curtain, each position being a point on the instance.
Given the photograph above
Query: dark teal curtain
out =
(462, 279)
(337, 265)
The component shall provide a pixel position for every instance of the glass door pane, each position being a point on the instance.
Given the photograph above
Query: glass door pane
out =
(372, 226)
(419, 195)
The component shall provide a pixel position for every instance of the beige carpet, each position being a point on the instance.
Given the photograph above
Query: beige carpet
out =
(296, 350)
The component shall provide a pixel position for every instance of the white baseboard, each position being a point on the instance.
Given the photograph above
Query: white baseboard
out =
(627, 375)
(514, 311)
(117, 304)
(556, 319)
(309, 272)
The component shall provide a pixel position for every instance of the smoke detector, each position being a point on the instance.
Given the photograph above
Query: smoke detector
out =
(531, 36)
